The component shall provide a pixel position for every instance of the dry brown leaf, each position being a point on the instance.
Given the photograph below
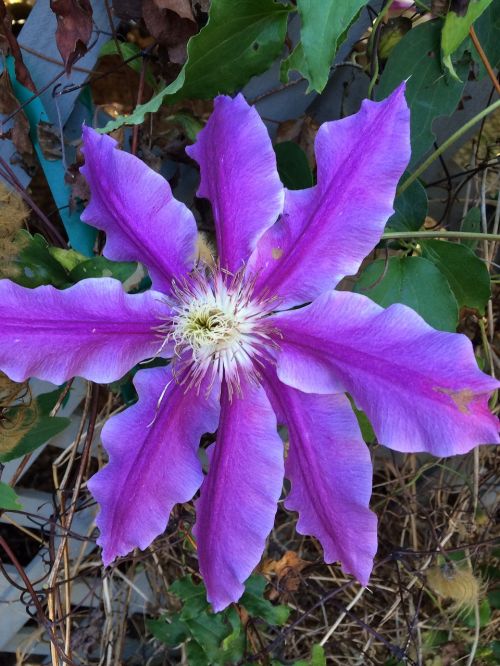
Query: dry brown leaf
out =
(74, 29)
(201, 5)
(80, 190)
(8, 39)
(171, 31)
(287, 570)
(49, 140)
(8, 101)
(181, 7)
(20, 132)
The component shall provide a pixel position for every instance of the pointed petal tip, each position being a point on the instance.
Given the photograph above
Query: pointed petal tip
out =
(397, 99)
(237, 100)
(107, 559)
(360, 566)
(401, 89)
(221, 602)
(91, 136)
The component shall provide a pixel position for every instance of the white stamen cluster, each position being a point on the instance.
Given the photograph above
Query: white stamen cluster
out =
(217, 327)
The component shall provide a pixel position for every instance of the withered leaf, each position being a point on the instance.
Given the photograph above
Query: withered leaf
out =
(169, 29)
(21, 137)
(80, 190)
(8, 101)
(287, 570)
(7, 37)
(201, 5)
(49, 140)
(21, 128)
(74, 29)
(181, 7)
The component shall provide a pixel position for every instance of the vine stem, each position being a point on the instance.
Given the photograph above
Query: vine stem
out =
(466, 235)
(372, 47)
(450, 141)
(484, 59)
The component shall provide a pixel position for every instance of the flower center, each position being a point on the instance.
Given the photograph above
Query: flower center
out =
(218, 328)
(207, 325)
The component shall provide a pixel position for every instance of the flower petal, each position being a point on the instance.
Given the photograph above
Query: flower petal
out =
(421, 388)
(239, 177)
(239, 496)
(330, 470)
(93, 329)
(134, 206)
(153, 461)
(326, 231)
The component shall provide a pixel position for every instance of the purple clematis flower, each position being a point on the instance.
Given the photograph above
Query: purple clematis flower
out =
(245, 357)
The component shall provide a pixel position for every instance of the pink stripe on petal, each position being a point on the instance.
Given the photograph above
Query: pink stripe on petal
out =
(239, 177)
(134, 206)
(153, 461)
(240, 494)
(330, 470)
(93, 329)
(421, 388)
(326, 231)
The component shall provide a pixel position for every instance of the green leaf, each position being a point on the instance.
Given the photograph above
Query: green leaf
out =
(254, 602)
(196, 655)
(293, 166)
(35, 265)
(139, 114)
(494, 599)
(469, 617)
(233, 646)
(365, 426)
(487, 29)
(295, 61)
(67, 258)
(456, 30)
(241, 39)
(214, 638)
(318, 658)
(467, 275)
(472, 223)
(209, 631)
(9, 501)
(193, 596)
(429, 93)
(171, 633)
(410, 208)
(102, 267)
(31, 426)
(435, 638)
(415, 282)
(323, 24)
